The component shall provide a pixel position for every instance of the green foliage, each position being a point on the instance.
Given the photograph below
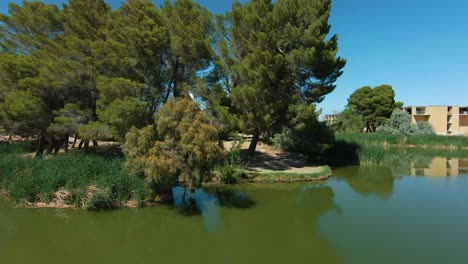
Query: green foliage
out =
(68, 119)
(379, 149)
(22, 113)
(29, 26)
(348, 121)
(285, 140)
(123, 114)
(35, 179)
(424, 128)
(304, 134)
(272, 55)
(232, 171)
(375, 105)
(182, 145)
(89, 69)
(94, 131)
(100, 200)
(400, 124)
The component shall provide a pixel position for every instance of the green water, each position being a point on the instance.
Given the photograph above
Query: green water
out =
(361, 215)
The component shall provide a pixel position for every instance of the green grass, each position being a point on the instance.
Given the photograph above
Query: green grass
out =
(29, 179)
(381, 149)
(436, 140)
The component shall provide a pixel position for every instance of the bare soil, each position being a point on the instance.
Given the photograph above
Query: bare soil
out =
(269, 160)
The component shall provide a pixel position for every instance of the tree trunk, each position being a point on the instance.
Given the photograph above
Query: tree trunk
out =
(41, 147)
(95, 144)
(81, 144)
(253, 144)
(10, 137)
(50, 148)
(65, 144)
(57, 146)
(86, 145)
(74, 140)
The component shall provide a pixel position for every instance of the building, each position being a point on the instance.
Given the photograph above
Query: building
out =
(330, 119)
(446, 120)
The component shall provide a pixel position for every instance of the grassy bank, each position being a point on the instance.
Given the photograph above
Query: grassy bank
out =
(434, 141)
(81, 180)
(381, 149)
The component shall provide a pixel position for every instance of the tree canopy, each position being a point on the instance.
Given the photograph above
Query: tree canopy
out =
(272, 56)
(87, 71)
(375, 105)
(180, 144)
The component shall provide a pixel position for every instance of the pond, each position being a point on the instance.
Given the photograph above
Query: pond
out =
(361, 215)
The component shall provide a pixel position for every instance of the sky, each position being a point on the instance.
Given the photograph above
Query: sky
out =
(420, 47)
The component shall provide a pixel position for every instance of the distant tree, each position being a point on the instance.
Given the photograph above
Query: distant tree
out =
(348, 121)
(182, 144)
(374, 104)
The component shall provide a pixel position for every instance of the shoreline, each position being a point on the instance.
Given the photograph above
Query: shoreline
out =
(258, 179)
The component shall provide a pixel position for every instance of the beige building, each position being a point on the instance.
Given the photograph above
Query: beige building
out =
(446, 120)
(330, 119)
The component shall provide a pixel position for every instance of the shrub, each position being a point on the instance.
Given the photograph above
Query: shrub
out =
(181, 144)
(233, 170)
(286, 140)
(400, 124)
(304, 134)
(424, 128)
(100, 200)
(230, 173)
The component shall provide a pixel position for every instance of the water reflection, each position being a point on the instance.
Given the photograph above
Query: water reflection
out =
(426, 162)
(195, 203)
(367, 180)
(440, 166)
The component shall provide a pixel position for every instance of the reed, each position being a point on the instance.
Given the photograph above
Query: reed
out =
(29, 179)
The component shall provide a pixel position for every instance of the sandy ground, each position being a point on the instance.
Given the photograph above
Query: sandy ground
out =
(267, 159)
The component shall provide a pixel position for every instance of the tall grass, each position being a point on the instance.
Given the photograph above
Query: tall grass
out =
(28, 179)
(436, 140)
(416, 140)
(382, 149)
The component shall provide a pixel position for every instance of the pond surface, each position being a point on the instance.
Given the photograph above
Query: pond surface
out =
(361, 215)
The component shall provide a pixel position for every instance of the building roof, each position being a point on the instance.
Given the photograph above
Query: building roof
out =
(433, 106)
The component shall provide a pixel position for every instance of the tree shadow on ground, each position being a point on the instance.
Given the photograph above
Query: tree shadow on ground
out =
(277, 161)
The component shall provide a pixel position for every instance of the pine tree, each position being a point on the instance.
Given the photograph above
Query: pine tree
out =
(272, 56)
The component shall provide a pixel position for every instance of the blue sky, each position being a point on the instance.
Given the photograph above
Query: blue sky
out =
(420, 47)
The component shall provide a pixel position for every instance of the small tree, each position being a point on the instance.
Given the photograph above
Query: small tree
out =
(182, 144)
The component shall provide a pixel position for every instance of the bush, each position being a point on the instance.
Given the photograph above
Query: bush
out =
(286, 140)
(181, 144)
(100, 200)
(230, 173)
(424, 128)
(304, 133)
(400, 124)
(233, 170)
